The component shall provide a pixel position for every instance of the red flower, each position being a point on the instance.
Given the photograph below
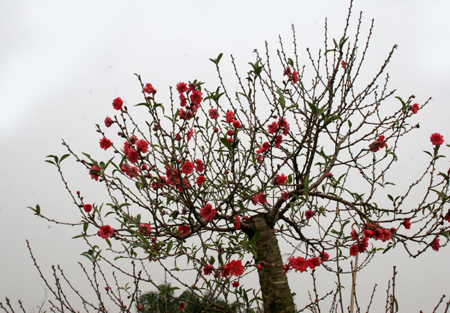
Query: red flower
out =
(407, 224)
(285, 196)
(208, 212)
(145, 229)
(354, 235)
(142, 146)
(139, 307)
(149, 89)
(278, 141)
(324, 256)
(87, 208)
(415, 108)
(435, 245)
(207, 270)
(105, 143)
(182, 100)
(106, 288)
(343, 64)
(309, 214)
(437, 139)
(314, 262)
(132, 155)
(272, 128)
(131, 171)
(196, 97)
(235, 284)
(237, 222)
(376, 145)
(299, 263)
(94, 172)
(229, 117)
(237, 124)
(200, 180)
(354, 250)
(225, 270)
(213, 113)
(295, 77)
(190, 133)
(199, 165)
(187, 168)
(105, 231)
(280, 179)
(181, 87)
(287, 72)
(368, 233)
(191, 86)
(182, 306)
(183, 230)
(236, 267)
(108, 121)
(329, 175)
(117, 103)
(230, 133)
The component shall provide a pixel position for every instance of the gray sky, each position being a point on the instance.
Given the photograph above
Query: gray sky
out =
(62, 63)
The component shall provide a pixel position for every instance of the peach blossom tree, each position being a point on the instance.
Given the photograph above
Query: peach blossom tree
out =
(286, 174)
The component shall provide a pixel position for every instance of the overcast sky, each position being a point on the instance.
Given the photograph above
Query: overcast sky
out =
(62, 63)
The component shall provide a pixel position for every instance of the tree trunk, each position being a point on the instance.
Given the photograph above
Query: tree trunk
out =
(274, 285)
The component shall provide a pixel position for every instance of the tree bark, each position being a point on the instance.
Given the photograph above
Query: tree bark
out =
(275, 289)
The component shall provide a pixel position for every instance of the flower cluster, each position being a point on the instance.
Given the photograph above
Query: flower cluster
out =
(378, 144)
(145, 229)
(195, 96)
(301, 264)
(292, 75)
(369, 231)
(259, 198)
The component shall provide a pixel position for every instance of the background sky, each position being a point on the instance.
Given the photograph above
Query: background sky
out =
(62, 63)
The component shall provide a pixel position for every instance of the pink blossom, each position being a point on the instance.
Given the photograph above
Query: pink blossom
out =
(343, 64)
(309, 214)
(87, 208)
(437, 139)
(105, 231)
(117, 103)
(207, 212)
(237, 222)
(132, 155)
(149, 89)
(299, 263)
(181, 87)
(142, 146)
(183, 230)
(435, 245)
(187, 168)
(229, 117)
(108, 121)
(196, 97)
(237, 124)
(272, 128)
(280, 179)
(190, 133)
(207, 270)
(295, 77)
(236, 268)
(145, 229)
(213, 113)
(94, 171)
(105, 143)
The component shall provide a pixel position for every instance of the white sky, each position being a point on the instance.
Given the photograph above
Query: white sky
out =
(62, 63)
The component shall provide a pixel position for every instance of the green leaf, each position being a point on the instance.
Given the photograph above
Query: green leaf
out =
(169, 246)
(314, 109)
(281, 99)
(63, 157)
(85, 227)
(216, 61)
(254, 239)
(290, 62)
(226, 142)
